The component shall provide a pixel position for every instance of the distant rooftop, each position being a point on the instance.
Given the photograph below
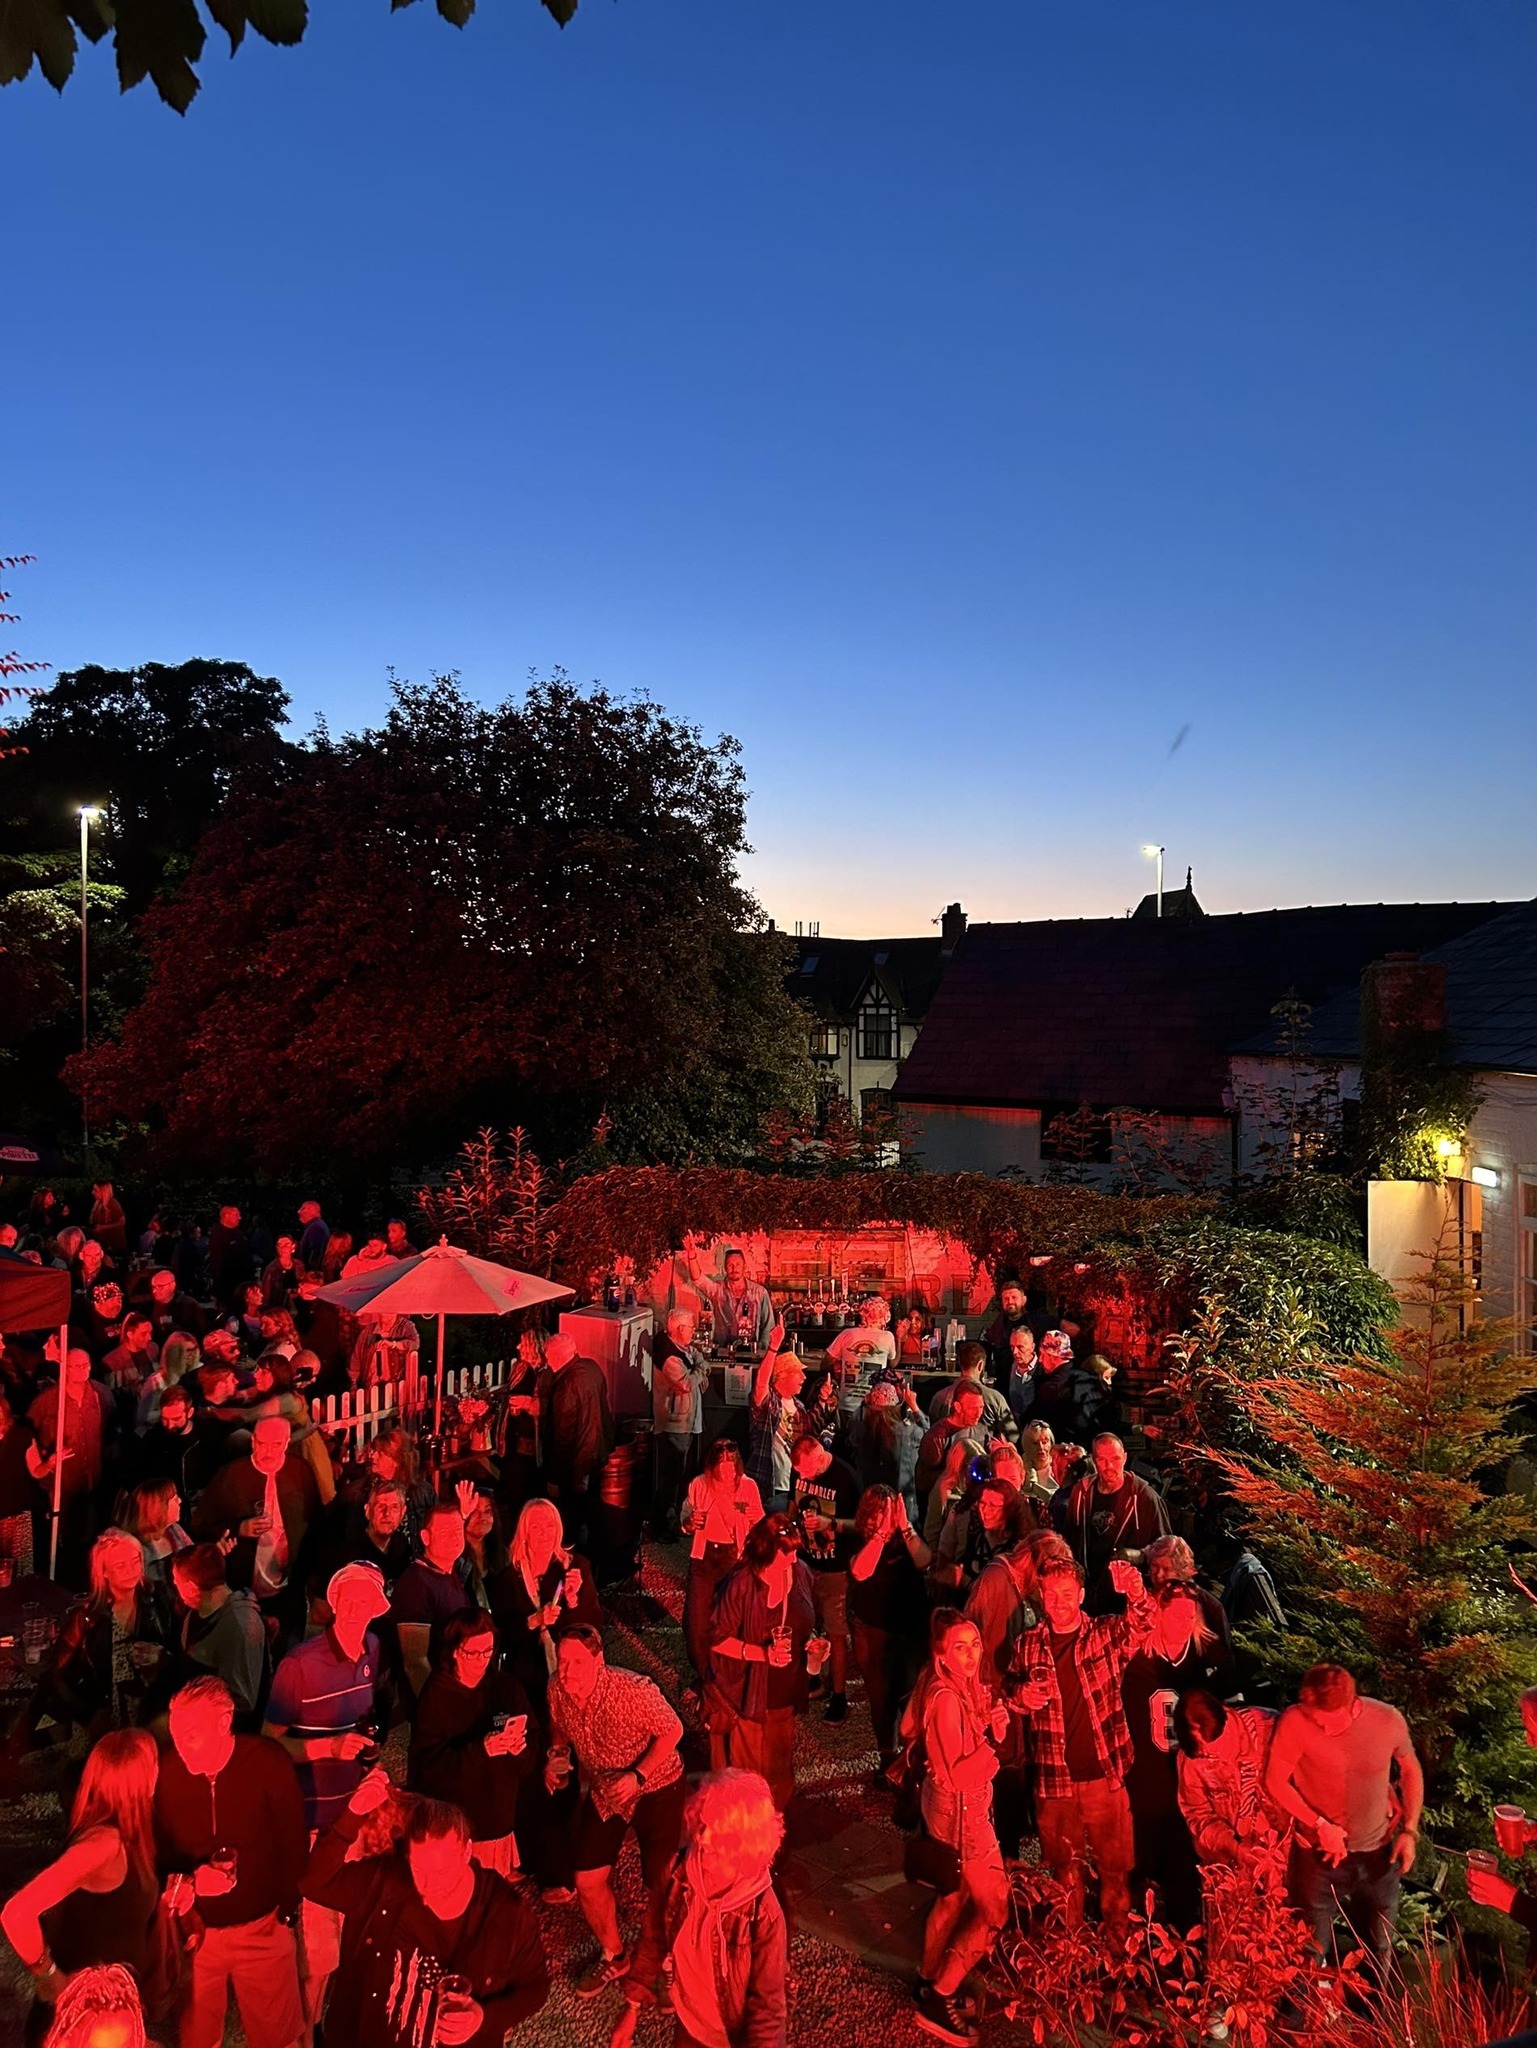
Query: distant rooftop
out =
(1491, 1000)
(1142, 1010)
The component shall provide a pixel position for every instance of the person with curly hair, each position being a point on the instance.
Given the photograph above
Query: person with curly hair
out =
(715, 1933)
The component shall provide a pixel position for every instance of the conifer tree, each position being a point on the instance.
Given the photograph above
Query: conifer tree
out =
(1369, 1499)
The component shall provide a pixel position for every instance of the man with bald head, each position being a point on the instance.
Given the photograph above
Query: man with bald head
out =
(268, 1502)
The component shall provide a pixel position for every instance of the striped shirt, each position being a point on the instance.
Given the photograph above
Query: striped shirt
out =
(319, 1691)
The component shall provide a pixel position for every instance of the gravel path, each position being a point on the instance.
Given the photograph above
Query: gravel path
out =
(838, 1997)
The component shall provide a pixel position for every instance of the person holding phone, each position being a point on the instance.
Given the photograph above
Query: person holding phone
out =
(474, 1744)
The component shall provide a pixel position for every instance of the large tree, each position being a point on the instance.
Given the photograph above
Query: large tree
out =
(157, 748)
(162, 40)
(524, 913)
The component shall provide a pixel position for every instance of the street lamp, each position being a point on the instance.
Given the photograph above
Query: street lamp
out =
(1156, 853)
(87, 813)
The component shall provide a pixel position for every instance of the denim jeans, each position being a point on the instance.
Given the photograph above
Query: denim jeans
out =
(1362, 1890)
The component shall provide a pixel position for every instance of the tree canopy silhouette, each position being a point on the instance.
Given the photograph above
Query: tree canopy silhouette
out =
(527, 912)
(162, 40)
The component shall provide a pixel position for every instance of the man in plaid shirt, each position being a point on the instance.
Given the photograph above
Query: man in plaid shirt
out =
(1067, 1682)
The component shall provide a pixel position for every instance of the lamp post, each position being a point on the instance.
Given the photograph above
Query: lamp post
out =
(87, 813)
(1156, 853)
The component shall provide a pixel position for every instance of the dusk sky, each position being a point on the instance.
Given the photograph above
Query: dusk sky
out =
(956, 403)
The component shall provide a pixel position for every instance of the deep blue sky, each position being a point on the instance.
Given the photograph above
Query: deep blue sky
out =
(953, 402)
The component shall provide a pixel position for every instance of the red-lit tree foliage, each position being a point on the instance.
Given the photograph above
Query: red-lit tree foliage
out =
(643, 1213)
(465, 912)
(1370, 1498)
(1249, 1978)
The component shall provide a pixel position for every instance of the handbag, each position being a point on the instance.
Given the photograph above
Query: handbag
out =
(936, 1864)
(904, 1774)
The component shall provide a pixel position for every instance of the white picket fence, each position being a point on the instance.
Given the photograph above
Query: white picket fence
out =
(365, 1412)
(487, 1379)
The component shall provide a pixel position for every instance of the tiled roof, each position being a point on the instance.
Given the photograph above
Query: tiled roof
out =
(833, 974)
(1491, 1000)
(1142, 1011)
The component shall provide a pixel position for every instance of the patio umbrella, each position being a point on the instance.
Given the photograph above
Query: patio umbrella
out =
(20, 1155)
(442, 1281)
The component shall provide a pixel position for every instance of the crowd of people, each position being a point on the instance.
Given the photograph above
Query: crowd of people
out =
(264, 1610)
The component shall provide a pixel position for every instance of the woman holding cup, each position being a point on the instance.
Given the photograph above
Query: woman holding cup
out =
(959, 1724)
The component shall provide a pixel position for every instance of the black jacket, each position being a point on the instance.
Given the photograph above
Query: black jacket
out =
(448, 1756)
(579, 1429)
(394, 1949)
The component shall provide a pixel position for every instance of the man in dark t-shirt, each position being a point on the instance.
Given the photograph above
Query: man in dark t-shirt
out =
(428, 1592)
(824, 1498)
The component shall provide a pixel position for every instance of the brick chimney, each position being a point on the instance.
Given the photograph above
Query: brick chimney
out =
(1402, 998)
(952, 927)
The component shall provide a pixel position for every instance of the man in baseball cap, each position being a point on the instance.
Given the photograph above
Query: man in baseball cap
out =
(327, 1692)
(329, 1709)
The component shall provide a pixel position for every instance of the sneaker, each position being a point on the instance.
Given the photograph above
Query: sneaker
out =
(837, 1708)
(557, 1895)
(599, 1974)
(943, 2017)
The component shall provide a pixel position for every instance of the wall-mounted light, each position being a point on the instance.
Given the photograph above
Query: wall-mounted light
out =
(1485, 1177)
(1447, 1148)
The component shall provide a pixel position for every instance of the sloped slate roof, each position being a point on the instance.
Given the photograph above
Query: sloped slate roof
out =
(1491, 1000)
(1139, 1011)
(844, 969)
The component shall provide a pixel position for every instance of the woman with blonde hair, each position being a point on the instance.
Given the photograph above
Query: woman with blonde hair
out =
(179, 1355)
(1038, 1450)
(99, 1900)
(99, 2008)
(545, 1585)
(109, 1647)
(715, 1926)
(152, 1513)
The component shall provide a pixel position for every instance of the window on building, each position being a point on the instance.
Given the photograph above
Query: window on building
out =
(811, 963)
(823, 1040)
(1526, 1305)
(877, 1029)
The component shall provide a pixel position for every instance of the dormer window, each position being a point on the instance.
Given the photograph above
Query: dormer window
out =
(877, 1028)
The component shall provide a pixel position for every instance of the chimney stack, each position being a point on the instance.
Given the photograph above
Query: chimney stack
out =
(952, 926)
(1402, 998)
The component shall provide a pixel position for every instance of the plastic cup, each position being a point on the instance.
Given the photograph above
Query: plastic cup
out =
(1510, 1829)
(1483, 1859)
(454, 1993)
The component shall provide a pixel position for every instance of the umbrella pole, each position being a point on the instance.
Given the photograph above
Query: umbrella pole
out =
(60, 1436)
(437, 1413)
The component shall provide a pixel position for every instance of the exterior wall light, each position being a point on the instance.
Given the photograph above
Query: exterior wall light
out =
(1485, 1177)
